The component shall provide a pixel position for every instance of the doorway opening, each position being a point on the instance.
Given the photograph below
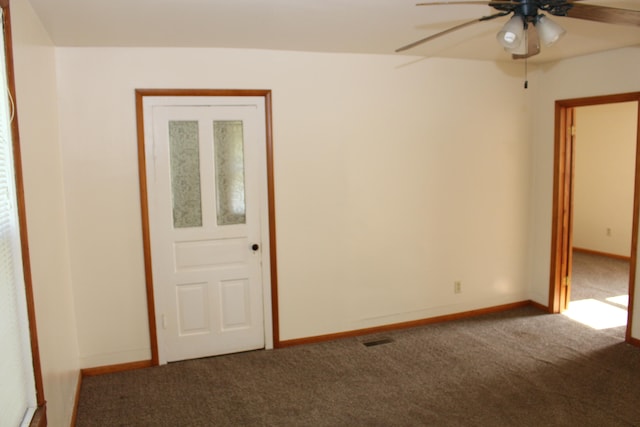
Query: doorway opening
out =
(584, 238)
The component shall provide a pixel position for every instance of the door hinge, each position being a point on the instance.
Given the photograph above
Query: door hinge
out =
(573, 130)
(164, 321)
(566, 281)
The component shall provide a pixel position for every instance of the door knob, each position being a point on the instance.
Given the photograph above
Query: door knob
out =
(255, 247)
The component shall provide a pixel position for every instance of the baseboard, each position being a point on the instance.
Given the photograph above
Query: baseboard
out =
(539, 306)
(634, 341)
(592, 252)
(110, 369)
(101, 370)
(40, 417)
(76, 401)
(410, 324)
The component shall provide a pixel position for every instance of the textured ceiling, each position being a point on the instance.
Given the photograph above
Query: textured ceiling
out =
(354, 26)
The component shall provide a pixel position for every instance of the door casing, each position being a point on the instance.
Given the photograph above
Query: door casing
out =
(563, 201)
(151, 311)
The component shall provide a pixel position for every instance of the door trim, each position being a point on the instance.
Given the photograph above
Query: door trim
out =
(562, 179)
(151, 311)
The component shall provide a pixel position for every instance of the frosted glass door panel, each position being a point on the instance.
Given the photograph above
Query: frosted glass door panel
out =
(228, 143)
(185, 174)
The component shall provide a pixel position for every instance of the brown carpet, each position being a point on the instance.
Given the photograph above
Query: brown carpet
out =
(598, 277)
(517, 368)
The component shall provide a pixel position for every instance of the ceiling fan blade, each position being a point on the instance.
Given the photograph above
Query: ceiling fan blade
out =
(446, 3)
(533, 44)
(448, 30)
(609, 15)
(480, 2)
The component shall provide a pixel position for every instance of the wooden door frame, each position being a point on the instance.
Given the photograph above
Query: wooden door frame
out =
(151, 311)
(562, 207)
(562, 197)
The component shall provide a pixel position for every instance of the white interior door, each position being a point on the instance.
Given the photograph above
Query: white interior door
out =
(205, 177)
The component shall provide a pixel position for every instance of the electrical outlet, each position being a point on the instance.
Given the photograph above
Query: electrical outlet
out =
(457, 287)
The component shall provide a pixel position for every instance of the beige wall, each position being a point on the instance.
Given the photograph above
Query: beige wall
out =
(605, 177)
(601, 74)
(35, 64)
(394, 178)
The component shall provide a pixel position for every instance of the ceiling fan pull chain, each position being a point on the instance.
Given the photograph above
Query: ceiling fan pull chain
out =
(526, 58)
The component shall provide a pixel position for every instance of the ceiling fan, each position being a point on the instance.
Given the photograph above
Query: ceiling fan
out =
(521, 35)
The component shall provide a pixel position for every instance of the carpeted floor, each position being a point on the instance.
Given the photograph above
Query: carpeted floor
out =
(598, 277)
(516, 368)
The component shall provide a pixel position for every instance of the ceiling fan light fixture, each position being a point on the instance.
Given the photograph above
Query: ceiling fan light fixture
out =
(549, 31)
(511, 35)
(521, 49)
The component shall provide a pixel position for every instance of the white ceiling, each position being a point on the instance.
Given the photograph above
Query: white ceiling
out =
(354, 26)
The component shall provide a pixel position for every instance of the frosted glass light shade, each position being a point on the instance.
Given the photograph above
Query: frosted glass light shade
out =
(511, 35)
(521, 49)
(549, 31)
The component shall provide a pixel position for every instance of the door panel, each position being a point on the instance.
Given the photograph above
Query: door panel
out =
(210, 254)
(204, 216)
(193, 313)
(235, 303)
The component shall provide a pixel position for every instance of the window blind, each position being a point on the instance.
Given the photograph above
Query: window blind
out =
(17, 388)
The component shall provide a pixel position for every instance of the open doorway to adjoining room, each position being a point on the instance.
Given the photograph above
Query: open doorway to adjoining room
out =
(595, 220)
